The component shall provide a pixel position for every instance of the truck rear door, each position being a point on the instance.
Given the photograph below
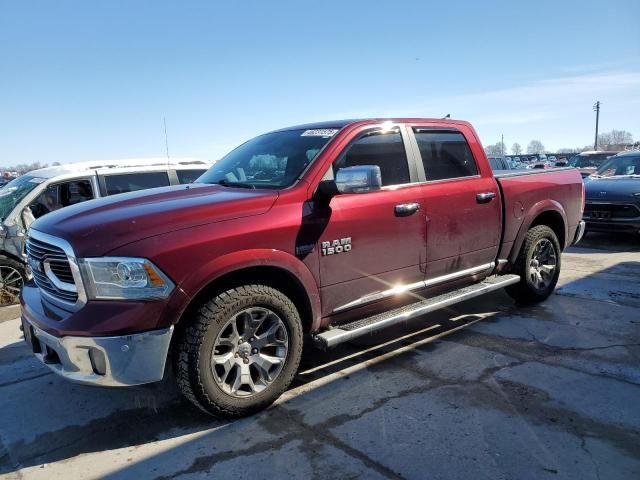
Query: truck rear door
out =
(461, 200)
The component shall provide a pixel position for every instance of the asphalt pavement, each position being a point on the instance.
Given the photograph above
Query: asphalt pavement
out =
(485, 390)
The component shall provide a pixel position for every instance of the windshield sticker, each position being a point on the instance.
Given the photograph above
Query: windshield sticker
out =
(320, 132)
(36, 180)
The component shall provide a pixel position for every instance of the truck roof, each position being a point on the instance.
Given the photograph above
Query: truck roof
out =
(102, 165)
(598, 152)
(345, 122)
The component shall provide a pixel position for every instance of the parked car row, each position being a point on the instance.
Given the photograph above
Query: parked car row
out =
(45, 190)
(517, 162)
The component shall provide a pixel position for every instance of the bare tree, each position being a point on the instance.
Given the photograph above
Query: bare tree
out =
(23, 168)
(516, 149)
(535, 146)
(496, 149)
(615, 137)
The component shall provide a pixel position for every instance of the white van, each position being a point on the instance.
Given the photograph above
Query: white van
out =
(39, 192)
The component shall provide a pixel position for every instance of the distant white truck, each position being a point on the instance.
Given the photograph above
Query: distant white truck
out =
(41, 191)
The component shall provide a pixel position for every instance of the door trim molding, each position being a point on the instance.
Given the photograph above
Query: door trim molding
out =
(401, 289)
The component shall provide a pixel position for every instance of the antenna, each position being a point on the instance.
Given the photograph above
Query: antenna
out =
(166, 139)
(446, 117)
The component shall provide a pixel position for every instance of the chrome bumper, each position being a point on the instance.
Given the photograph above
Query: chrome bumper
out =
(579, 232)
(106, 361)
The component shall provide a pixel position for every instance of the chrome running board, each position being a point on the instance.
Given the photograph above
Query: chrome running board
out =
(366, 326)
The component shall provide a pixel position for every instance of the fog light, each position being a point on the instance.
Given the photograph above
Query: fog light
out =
(98, 362)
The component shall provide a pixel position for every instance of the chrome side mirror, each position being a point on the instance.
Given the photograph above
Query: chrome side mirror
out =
(360, 179)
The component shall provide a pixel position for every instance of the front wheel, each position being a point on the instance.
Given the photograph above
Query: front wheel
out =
(12, 275)
(240, 351)
(538, 265)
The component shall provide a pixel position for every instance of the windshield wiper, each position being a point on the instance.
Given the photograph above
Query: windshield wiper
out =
(226, 183)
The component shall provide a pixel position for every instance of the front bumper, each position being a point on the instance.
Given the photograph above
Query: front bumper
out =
(106, 361)
(613, 226)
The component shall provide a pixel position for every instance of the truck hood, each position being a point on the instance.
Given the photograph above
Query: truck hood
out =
(98, 226)
(616, 188)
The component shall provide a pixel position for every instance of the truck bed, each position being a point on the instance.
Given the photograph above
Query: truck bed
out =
(527, 193)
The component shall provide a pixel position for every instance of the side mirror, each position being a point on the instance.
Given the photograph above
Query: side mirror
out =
(360, 179)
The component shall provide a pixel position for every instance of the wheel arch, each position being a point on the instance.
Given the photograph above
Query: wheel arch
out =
(547, 212)
(11, 256)
(274, 268)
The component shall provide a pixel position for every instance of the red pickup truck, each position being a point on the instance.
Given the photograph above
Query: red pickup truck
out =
(333, 230)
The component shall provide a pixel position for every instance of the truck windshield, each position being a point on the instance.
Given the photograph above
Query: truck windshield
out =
(620, 166)
(14, 191)
(274, 160)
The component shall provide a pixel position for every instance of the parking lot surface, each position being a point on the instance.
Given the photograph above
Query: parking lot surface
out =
(483, 390)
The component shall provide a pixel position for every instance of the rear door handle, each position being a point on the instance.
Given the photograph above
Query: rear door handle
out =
(406, 209)
(485, 197)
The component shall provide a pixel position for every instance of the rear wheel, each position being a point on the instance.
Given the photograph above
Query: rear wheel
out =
(240, 352)
(12, 275)
(538, 265)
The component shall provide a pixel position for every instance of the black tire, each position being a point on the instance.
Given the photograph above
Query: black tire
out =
(197, 338)
(9, 268)
(527, 291)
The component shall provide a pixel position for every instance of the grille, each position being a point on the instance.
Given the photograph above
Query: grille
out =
(39, 251)
(612, 210)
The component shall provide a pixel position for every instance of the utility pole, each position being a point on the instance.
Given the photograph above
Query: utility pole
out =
(502, 145)
(596, 108)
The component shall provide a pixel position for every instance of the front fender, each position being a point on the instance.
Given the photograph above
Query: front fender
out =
(216, 268)
(536, 210)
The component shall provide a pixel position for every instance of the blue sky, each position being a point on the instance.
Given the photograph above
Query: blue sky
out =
(92, 80)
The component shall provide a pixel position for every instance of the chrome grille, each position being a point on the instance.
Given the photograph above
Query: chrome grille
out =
(59, 281)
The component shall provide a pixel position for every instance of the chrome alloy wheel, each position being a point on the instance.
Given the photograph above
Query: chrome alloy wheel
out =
(10, 285)
(249, 352)
(543, 264)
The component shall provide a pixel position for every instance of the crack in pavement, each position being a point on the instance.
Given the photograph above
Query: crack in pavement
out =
(522, 349)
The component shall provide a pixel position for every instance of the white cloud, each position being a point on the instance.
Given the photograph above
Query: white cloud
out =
(557, 111)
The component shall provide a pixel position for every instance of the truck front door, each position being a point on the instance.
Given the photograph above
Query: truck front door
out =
(373, 242)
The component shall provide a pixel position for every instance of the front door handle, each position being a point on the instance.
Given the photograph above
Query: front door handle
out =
(406, 209)
(485, 197)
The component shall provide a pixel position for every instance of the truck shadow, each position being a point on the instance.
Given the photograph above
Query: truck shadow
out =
(609, 242)
(45, 419)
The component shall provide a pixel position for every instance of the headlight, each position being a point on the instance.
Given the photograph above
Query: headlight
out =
(123, 278)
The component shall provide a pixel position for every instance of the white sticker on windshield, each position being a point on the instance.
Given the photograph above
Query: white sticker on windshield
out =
(320, 132)
(36, 180)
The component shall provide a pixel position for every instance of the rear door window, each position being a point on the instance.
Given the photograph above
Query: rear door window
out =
(445, 154)
(130, 182)
(189, 176)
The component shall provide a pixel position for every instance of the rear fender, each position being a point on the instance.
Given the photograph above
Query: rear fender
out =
(538, 209)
